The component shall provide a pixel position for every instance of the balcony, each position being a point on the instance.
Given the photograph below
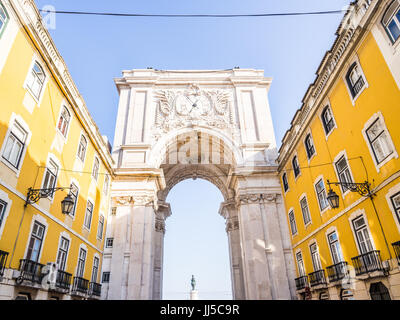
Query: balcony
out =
(367, 263)
(337, 271)
(3, 260)
(80, 286)
(94, 289)
(29, 270)
(63, 281)
(396, 247)
(301, 282)
(317, 278)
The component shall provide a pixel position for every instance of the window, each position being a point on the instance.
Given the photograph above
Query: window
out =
(334, 246)
(391, 21)
(73, 193)
(81, 263)
(362, 234)
(309, 146)
(109, 242)
(378, 291)
(50, 176)
(305, 211)
(113, 211)
(321, 195)
(379, 141)
(343, 171)
(355, 80)
(95, 269)
(300, 264)
(96, 165)
(88, 215)
(292, 221)
(106, 277)
(285, 182)
(62, 253)
(35, 81)
(395, 202)
(315, 257)
(3, 207)
(82, 148)
(3, 18)
(35, 242)
(296, 168)
(327, 120)
(63, 122)
(15, 145)
(101, 227)
(106, 184)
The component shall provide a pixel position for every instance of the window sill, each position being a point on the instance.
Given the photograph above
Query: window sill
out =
(378, 166)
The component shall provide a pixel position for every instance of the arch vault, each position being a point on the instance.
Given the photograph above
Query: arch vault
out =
(209, 124)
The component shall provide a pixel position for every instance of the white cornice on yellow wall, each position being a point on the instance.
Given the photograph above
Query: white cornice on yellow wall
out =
(31, 20)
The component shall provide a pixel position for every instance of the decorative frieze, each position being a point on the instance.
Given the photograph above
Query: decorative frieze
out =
(257, 198)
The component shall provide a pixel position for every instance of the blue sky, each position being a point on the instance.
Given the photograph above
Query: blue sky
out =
(288, 49)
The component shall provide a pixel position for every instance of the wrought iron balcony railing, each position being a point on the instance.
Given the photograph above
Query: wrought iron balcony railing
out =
(3, 260)
(396, 247)
(30, 270)
(63, 280)
(317, 278)
(337, 271)
(301, 282)
(94, 289)
(367, 262)
(80, 285)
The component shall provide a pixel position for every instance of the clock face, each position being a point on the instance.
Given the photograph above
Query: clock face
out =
(193, 105)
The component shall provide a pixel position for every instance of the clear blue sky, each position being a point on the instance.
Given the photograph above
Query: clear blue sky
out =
(289, 49)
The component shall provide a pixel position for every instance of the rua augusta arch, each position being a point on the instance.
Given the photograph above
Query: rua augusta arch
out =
(210, 124)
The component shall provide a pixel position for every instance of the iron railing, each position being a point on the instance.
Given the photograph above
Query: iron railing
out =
(80, 285)
(301, 282)
(30, 270)
(367, 262)
(317, 278)
(94, 289)
(63, 280)
(337, 271)
(396, 247)
(3, 260)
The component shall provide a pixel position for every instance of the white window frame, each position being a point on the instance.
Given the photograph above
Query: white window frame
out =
(298, 251)
(72, 214)
(51, 157)
(91, 218)
(38, 100)
(287, 180)
(341, 154)
(81, 247)
(77, 150)
(355, 215)
(96, 256)
(66, 236)
(367, 125)
(64, 137)
(107, 241)
(98, 227)
(328, 232)
(327, 104)
(312, 243)
(298, 163)
(305, 146)
(304, 196)
(393, 16)
(40, 219)
(7, 19)
(390, 193)
(96, 177)
(4, 197)
(356, 60)
(321, 177)
(291, 210)
(106, 184)
(20, 121)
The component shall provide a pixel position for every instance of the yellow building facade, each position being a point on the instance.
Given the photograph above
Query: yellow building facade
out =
(47, 140)
(347, 134)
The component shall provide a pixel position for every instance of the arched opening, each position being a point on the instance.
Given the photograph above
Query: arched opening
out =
(196, 243)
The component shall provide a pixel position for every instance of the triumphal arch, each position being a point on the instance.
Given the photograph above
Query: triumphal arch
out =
(188, 124)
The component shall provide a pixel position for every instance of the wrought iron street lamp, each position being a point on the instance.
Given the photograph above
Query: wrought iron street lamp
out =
(363, 189)
(34, 195)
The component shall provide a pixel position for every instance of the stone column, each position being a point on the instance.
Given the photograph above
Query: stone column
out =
(163, 212)
(141, 259)
(228, 210)
(119, 261)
